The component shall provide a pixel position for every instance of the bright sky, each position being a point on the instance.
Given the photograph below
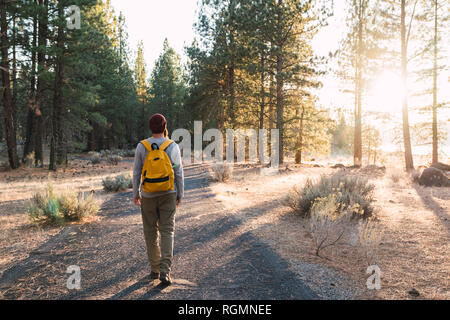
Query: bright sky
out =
(154, 20)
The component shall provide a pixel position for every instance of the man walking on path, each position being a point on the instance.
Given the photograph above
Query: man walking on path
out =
(158, 187)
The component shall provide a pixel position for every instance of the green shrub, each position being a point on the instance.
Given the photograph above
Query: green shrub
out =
(350, 191)
(119, 183)
(44, 208)
(47, 208)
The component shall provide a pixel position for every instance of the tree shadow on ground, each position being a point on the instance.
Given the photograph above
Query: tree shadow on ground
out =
(237, 265)
(144, 282)
(426, 196)
(230, 263)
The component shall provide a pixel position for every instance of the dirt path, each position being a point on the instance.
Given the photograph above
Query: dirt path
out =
(214, 257)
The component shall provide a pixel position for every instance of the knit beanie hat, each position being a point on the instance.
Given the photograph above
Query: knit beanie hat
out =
(158, 123)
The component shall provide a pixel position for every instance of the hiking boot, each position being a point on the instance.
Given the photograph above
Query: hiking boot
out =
(165, 279)
(154, 275)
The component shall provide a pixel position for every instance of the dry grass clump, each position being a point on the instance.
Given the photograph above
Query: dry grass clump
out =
(370, 234)
(114, 159)
(415, 175)
(106, 153)
(332, 206)
(221, 172)
(29, 160)
(348, 191)
(118, 183)
(4, 166)
(327, 222)
(127, 153)
(49, 208)
(75, 207)
(396, 177)
(94, 157)
(111, 156)
(330, 223)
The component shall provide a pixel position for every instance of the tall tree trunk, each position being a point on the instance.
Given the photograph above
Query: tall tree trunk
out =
(272, 93)
(435, 74)
(42, 66)
(9, 121)
(272, 117)
(144, 122)
(263, 92)
(1, 131)
(58, 151)
(231, 94)
(14, 75)
(92, 138)
(406, 131)
(357, 157)
(299, 154)
(280, 85)
(280, 104)
(231, 68)
(31, 116)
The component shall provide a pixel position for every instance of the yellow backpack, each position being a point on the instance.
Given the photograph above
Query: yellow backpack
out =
(157, 172)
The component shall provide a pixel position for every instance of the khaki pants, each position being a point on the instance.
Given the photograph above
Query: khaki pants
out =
(158, 214)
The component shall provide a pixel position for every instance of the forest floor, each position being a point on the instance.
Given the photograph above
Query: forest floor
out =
(414, 250)
(268, 249)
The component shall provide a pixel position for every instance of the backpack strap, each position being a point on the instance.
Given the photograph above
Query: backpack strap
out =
(147, 145)
(166, 144)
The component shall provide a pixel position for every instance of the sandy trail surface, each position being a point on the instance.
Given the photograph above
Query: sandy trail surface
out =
(214, 257)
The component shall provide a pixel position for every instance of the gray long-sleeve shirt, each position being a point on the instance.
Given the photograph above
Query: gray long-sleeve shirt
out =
(173, 151)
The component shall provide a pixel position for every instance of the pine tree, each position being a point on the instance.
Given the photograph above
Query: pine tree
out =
(167, 88)
(289, 28)
(206, 88)
(431, 23)
(29, 147)
(142, 90)
(372, 142)
(42, 79)
(258, 54)
(398, 18)
(356, 58)
(7, 99)
(72, 86)
(58, 147)
(342, 136)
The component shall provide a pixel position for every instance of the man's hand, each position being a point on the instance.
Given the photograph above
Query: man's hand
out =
(178, 202)
(138, 201)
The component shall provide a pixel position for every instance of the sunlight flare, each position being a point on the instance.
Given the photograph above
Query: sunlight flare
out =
(387, 92)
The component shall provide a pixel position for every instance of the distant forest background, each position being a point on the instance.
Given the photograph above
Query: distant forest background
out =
(252, 66)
